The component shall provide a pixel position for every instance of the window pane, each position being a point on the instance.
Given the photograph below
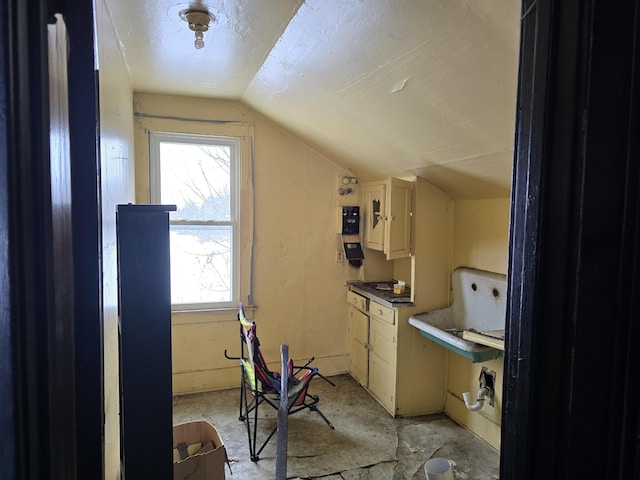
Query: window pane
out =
(196, 179)
(200, 264)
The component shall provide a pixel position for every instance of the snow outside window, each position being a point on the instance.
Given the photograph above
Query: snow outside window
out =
(200, 175)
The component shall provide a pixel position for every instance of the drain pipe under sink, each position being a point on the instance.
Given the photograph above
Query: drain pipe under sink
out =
(483, 392)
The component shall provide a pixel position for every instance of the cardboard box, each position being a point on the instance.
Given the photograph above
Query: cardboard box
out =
(208, 463)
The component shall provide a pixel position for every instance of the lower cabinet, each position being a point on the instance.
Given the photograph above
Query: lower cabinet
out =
(382, 362)
(372, 340)
(359, 345)
(401, 369)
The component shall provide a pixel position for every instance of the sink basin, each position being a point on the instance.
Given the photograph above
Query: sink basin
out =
(451, 338)
(479, 305)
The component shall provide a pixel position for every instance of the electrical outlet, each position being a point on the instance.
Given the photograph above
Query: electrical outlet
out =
(339, 256)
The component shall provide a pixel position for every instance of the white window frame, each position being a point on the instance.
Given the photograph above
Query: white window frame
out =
(234, 143)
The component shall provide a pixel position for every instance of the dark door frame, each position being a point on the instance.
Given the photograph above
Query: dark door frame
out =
(84, 127)
(571, 380)
(27, 303)
(51, 384)
(570, 385)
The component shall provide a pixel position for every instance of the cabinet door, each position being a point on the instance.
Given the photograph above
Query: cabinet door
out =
(382, 362)
(374, 214)
(397, 242)
(359, 345)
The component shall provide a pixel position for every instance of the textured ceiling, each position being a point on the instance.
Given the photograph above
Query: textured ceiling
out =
(393, 88)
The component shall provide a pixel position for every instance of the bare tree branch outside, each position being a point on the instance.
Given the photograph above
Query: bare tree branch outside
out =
(196, 178)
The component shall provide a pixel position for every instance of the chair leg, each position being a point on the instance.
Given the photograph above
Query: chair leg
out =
(242, 393)
(314, 408)
(252, 431)
(252, 442)
(254, 451)
(243, 398)
(264, 444)
(311, 403)
(245, 409)
(326, 379)
(245, 417)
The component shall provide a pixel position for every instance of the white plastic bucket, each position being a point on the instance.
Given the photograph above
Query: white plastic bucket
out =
(439, 469)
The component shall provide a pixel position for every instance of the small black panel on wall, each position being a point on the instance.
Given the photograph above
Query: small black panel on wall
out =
(350, 220)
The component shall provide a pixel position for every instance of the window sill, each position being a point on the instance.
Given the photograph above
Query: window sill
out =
(208, 315)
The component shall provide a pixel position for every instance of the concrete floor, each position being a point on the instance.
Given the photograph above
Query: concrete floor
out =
(367, 443)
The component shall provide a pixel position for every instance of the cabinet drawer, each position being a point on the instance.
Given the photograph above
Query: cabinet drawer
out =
(357, 301)
(383, 313)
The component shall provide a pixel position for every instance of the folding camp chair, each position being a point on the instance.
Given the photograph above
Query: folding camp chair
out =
(264, 385)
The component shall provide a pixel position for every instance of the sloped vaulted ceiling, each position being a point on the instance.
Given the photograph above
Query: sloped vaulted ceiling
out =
(393, 88)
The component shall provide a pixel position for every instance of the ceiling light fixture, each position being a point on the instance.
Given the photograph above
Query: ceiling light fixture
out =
(198, 21)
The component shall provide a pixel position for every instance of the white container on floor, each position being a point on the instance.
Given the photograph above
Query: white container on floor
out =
(439, 469)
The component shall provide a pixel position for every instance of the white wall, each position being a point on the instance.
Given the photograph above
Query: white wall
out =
(117, 186)
(480, 240)
(299, 291)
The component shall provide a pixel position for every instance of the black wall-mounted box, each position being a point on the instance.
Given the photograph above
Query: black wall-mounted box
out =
(350, 220)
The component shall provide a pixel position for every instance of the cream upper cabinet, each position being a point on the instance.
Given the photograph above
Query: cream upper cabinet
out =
(374, 225)
(387, 217)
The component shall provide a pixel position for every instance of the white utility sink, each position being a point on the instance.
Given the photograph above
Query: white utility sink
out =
(479, 305)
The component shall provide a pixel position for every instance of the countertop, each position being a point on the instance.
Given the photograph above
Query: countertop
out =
(383, 296)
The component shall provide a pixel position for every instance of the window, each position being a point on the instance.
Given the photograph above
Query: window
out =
(200, 175)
